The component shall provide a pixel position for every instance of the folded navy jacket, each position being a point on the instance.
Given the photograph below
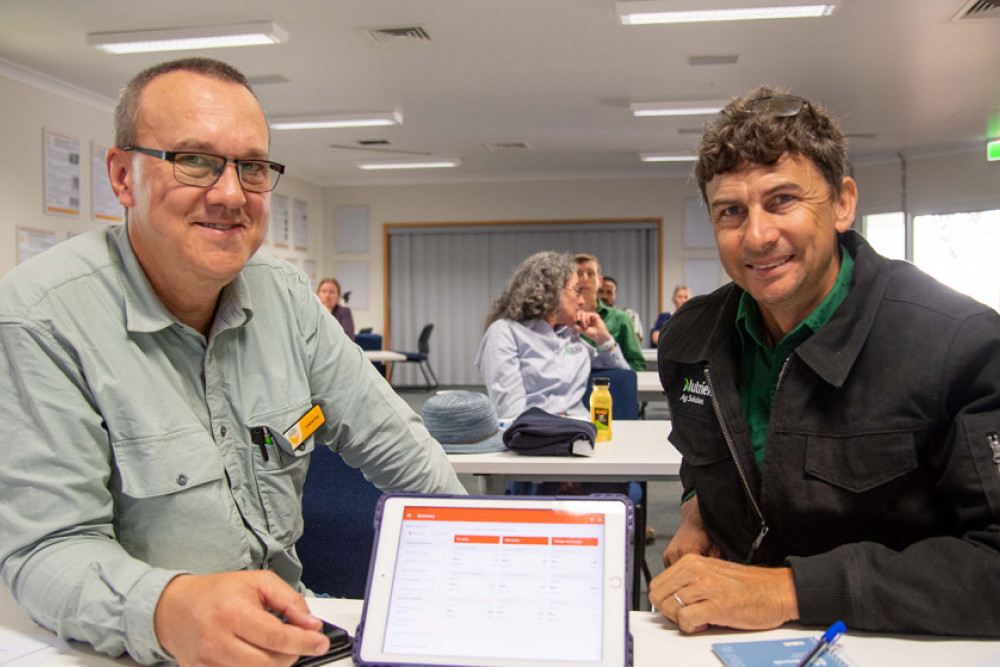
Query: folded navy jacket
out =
(538, 433)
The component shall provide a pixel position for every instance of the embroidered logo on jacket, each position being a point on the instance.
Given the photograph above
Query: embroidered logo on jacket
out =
(695, 391)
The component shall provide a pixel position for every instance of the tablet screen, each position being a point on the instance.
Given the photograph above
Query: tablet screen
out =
(498, 581)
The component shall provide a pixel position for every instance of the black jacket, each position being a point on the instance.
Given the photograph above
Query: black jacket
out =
(881, 478)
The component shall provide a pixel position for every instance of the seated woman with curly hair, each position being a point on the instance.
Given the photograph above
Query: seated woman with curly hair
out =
(532, 354)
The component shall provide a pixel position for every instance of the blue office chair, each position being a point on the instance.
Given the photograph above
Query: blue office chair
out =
(622, 383)
(338, 507)
(420, 356)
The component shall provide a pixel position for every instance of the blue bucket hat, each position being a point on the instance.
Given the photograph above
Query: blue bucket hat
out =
(464, 422)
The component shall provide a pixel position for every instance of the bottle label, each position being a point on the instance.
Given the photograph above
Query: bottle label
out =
(602, 418)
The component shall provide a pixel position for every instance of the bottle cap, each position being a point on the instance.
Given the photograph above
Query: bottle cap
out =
(601, 381)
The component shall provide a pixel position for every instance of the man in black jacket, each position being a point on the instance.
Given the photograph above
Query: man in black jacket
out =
(838, 412)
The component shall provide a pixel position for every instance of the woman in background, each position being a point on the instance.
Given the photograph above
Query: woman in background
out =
(681, 294)
(329, 294)
(532, 354)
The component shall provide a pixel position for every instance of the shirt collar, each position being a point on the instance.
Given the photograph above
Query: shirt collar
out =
(750, 323)
(145, 313)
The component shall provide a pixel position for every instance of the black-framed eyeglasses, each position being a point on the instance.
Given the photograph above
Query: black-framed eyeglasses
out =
(782, 106)
(203, 170)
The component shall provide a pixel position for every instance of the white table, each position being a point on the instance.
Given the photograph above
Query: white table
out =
(384, 356)
(649, 354)
(638, 451)
(657, 641)
(648, 386)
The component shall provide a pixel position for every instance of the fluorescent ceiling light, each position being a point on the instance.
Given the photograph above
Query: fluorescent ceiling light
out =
(429, 163)
(644, 13)
(375, 119)
(665, 157)
(642, 109)
(181, 39)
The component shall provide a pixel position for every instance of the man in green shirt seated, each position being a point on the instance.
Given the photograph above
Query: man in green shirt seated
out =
(838, 412)
(619, 325)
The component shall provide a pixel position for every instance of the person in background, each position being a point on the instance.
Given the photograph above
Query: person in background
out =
(165, 382)
(533, 353)
(588, 271)
(681, 294)
(608, 294)
(838, 412)
(329, 293)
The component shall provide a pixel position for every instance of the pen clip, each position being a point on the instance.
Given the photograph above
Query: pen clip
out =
(260, 437)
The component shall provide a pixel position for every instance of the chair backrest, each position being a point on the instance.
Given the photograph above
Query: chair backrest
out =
(338, 510)
(623, 385)
(369, 341)
(423, 346)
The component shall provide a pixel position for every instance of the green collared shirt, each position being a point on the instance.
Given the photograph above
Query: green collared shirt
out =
(619, 325)
(762, 362)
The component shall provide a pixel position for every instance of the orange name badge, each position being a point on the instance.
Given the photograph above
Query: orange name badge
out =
(305, 427)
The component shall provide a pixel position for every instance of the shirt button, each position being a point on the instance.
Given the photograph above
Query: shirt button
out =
(223, 431)
(182, 480)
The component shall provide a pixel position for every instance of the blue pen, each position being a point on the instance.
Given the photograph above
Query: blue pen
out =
(829, 638)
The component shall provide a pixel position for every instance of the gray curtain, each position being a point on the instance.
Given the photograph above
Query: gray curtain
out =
(449, 276)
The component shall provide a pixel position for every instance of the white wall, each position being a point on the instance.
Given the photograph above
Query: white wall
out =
(32, 104)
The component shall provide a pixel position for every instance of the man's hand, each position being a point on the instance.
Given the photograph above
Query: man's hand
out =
(224, 619)
(717, 592)
(592, 326)
(690, 537)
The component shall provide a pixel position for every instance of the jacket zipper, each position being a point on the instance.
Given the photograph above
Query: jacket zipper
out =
(993, 438)
(739, 467)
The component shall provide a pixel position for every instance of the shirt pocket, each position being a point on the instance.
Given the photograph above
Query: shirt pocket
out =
(165, 484)
(860, 463)
(280, 480)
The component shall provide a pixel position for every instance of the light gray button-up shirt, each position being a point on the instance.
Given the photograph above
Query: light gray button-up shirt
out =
(531, 365)
(127, 455)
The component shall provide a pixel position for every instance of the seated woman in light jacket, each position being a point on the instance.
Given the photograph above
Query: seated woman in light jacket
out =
(532, 354)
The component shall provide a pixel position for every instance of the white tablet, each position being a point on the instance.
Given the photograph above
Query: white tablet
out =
(501, 581)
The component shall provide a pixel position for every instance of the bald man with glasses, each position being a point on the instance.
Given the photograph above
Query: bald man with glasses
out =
(166, 385)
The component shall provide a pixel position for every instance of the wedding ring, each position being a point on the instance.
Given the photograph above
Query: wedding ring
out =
(680, 603)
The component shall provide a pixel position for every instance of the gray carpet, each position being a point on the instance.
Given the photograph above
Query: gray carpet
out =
(663, 501)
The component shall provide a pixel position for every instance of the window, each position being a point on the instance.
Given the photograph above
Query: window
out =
(886, 232)
(961, 250)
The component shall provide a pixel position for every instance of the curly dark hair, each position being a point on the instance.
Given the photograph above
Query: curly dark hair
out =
(126, 116)
(535, 288)
(740, 136)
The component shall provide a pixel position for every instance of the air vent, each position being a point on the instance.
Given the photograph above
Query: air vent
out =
(508, 146)
(373, 142)
(729, 59)
(396, 37)
(978, 9)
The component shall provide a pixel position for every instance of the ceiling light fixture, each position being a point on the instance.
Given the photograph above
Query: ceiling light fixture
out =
(702, 108)
(409, 164)
(374, 119)
(181, 39)
(653, 11)
(665, 157)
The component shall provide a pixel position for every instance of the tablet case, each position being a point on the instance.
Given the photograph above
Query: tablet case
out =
(629, 526)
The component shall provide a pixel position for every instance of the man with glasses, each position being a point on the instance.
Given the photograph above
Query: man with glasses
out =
(163, 387)
(838, 412)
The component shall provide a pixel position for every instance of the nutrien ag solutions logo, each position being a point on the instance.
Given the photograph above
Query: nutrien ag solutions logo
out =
(695, 391)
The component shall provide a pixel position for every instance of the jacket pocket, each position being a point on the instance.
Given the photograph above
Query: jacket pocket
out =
(860, 463)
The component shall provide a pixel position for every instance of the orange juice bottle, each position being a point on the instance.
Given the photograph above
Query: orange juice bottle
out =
(600, 408)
